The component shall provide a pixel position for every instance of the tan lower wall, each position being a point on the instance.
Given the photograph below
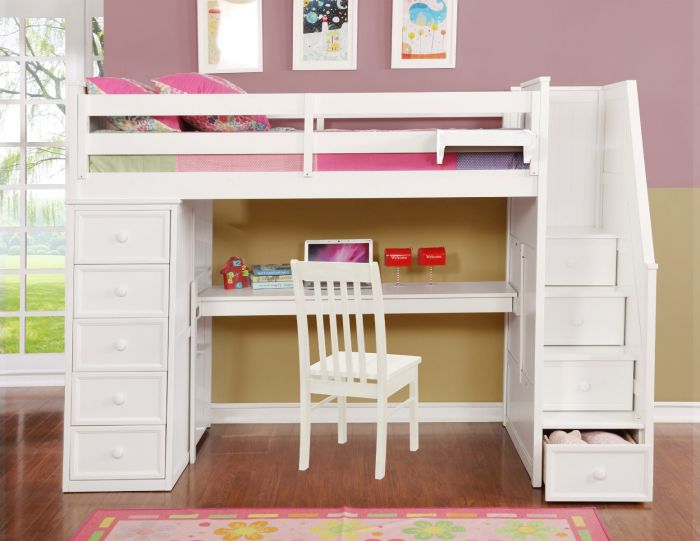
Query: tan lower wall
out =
(675, 220)
(255, 359)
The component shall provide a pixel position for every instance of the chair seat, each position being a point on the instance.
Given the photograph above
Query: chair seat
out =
(394, 364)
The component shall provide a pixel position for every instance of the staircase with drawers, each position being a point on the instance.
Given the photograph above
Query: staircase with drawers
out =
(127, 384)
(597, 366)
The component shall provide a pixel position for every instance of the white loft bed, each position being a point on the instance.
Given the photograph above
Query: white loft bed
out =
(140, 230)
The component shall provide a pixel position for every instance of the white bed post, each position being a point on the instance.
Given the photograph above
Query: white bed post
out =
(527, 229)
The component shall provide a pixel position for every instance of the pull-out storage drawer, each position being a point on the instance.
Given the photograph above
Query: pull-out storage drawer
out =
(584, 321)
(122, 236)
(118, 398)
(117, 453)
(588, 385)
(121, 290)
(581, 262)
(603, 473)
(120, 344)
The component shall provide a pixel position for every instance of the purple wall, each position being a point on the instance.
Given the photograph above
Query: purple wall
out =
(501, 43)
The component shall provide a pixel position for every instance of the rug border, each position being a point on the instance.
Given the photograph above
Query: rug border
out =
(87, 522)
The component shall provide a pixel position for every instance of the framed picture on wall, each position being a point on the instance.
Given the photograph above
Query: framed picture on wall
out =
(230, 36)
(424, 34)
(325, 35)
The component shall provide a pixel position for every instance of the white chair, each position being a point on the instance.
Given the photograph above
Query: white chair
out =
(337, 291)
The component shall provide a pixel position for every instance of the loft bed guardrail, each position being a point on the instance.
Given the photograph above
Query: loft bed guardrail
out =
(314, 149)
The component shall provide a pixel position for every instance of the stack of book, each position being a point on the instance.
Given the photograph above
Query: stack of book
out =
(275, 276)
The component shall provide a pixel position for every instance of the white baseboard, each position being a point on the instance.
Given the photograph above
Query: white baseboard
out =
(677, 412)
(429, 412)
(32, 379)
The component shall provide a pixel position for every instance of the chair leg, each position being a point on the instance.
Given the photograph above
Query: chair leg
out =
(305, 432)
(413, 414)
(342, 419)
(380, 459)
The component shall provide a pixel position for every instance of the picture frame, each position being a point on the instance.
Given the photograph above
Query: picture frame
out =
(423, 34)
(230, 36)
(324, 35)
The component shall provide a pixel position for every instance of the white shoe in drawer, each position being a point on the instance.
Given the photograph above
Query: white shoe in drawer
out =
(597, 473)
(133, 452)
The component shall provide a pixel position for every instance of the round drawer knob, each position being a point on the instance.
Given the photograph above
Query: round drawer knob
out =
(600, 474)
(120, 345)
(578, 321)
(120, 291)
(117, 453)
(118, 399)
(570, 261)
(584, 386)
(122, 237)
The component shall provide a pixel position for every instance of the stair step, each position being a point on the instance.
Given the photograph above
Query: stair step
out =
(586, 291)
(580, 233)
(591, 420)
(588, 353)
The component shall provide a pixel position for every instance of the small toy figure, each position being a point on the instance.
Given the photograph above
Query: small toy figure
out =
(236, 274)
(432, 256)
(397, 257)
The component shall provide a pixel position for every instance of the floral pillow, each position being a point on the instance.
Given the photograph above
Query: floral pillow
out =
(120, 85)
(197, 83)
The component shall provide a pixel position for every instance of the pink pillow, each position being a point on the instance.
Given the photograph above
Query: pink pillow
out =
(120, 85)
(197, 83)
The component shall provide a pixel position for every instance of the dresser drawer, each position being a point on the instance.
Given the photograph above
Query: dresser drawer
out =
(121, 290)
(120, 344)
(588, 385)
(134, 452)
(581, 262)
(122, 236)
(583, 321)
(118, 398)
(602, 473)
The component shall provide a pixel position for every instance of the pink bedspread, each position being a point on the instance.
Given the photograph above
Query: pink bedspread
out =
(322, 162)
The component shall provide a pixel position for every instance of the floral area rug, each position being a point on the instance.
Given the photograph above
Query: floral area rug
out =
(489, 524)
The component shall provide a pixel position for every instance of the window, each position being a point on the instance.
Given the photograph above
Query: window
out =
(38, 46)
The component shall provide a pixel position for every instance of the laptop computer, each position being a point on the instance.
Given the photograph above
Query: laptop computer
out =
(339, 251)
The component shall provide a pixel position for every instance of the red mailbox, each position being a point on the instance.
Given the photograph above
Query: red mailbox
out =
(398, 257)
(430, 257)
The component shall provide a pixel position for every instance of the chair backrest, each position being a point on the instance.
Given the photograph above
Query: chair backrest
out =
(335, 291)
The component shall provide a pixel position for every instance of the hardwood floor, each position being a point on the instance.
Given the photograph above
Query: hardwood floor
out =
(458, 465)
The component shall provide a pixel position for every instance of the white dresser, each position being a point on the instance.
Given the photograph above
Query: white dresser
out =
(127, 389)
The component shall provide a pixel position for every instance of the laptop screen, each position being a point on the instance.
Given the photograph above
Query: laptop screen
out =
(339, 252)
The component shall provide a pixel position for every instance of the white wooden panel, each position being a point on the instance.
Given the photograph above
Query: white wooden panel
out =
(117, 453)
(598, 472)
(335, 105)
(584, 321)
(588, 385)
(412, 298)
(583, 262)
(119, 398)
(574, 158)
(520, 412)
(121, 291)
(111, 236)
(322, 185)
(120, 344)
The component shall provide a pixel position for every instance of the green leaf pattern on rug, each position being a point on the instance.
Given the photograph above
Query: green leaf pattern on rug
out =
(441, 529)
(532, 529)
(339, 529)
